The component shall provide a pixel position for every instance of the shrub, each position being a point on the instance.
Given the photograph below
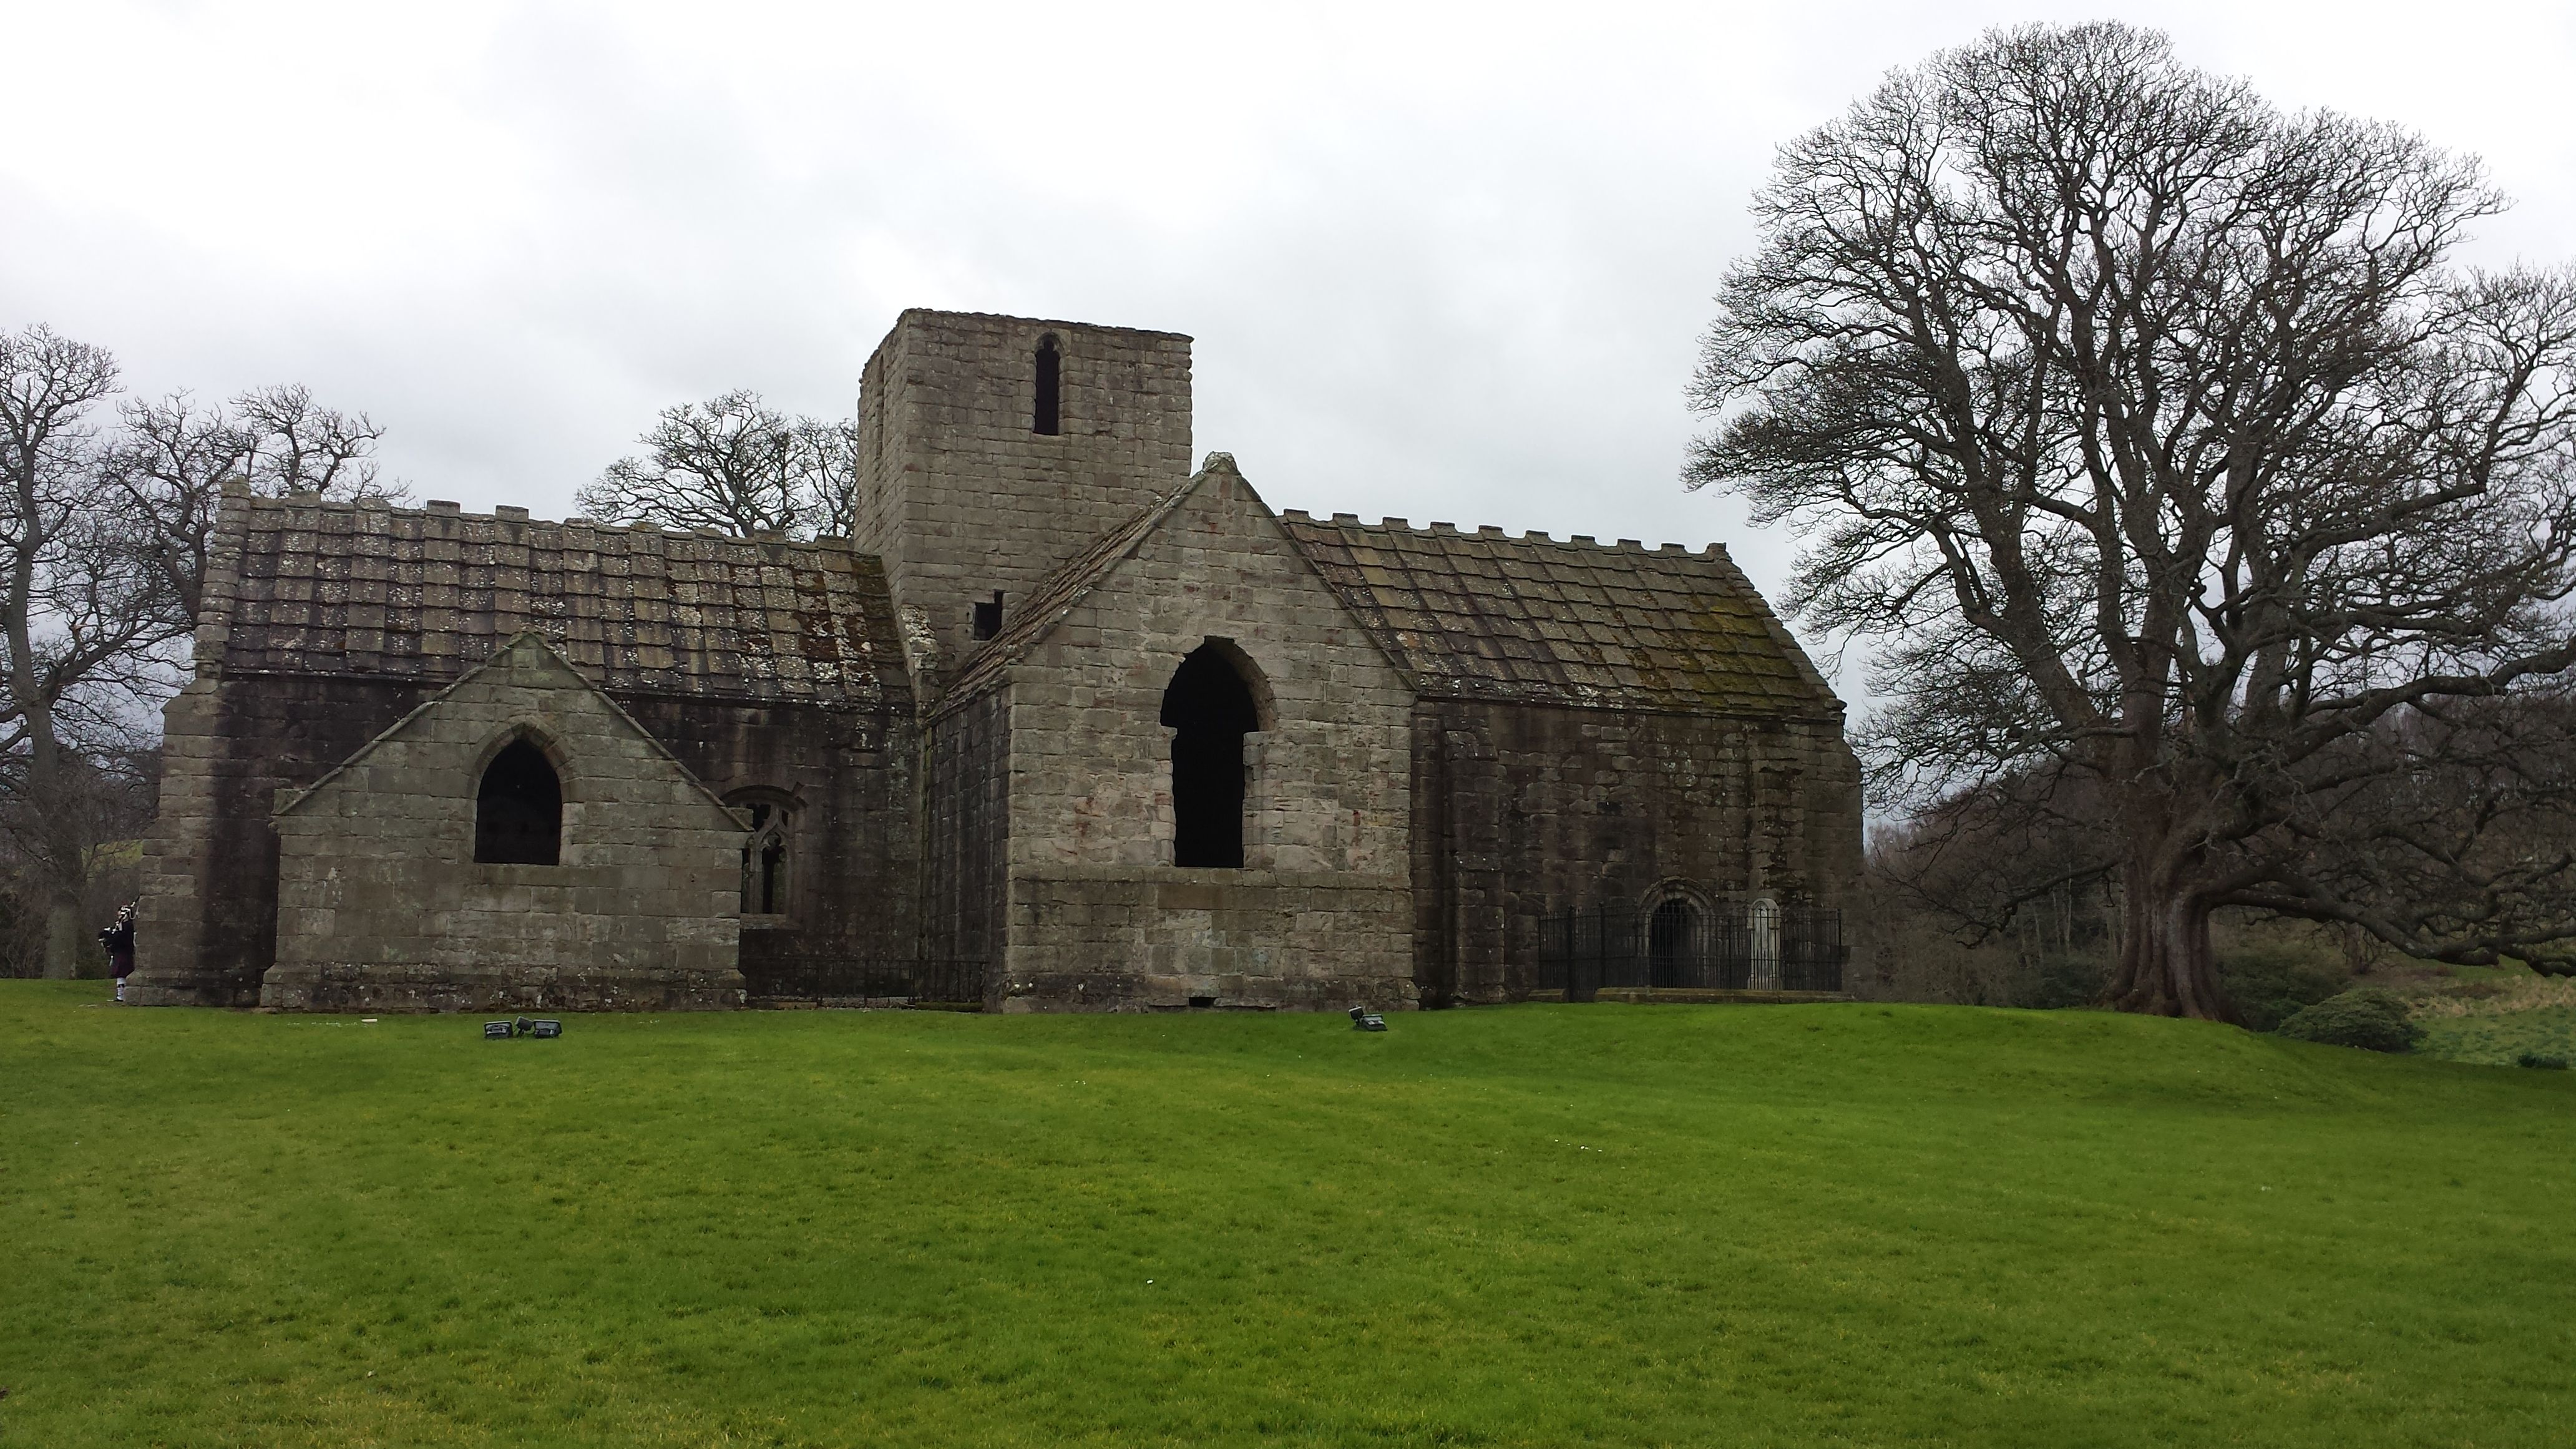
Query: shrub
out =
(2546, 1061)
(2365, 1017)
(2270, 984)
(2058, 983)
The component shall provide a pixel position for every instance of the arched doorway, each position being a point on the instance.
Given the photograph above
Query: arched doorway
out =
(518, 809)
(1675, 949)
(1210, 707)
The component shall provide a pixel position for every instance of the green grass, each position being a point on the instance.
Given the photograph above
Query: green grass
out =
(1546, 1225)
(2496, 1040)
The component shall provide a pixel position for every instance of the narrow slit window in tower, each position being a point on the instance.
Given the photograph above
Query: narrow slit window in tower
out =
(1211, 708)
(518, 811)
(988, 616)
(1049, 417)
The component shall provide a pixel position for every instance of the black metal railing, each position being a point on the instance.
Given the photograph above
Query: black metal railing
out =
(1688, 945)
(860, 979)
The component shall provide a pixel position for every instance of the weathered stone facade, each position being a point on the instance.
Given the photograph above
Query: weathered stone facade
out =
(1594, 725)
(769, 669)
(1320, 911)
(1063, 721)
(382, 905)
(1530, 809)
(959, 493)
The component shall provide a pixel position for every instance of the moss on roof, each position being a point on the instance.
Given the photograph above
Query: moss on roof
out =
(300, 586)
(1479, 614)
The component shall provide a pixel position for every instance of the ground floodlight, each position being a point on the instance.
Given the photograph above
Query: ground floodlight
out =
(524, 1025)
(545, 1028)
(496, 1030)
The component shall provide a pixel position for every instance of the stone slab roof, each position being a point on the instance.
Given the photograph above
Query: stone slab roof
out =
(1484, 615)
(1480, 614)
(300, 586)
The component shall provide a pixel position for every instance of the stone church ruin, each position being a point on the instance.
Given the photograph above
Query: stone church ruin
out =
(1063, 723)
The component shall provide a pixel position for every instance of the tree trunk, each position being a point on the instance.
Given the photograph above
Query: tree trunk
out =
(2166, 965)
(48, 791)
(63, 936)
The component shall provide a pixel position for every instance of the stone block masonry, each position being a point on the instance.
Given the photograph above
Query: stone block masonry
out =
(770, 669)
(382, 905)
(963, 497)
(1060, 717)
(1098, 912)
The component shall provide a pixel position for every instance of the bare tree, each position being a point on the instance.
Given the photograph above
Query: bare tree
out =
(2191, 492)
(832, 476)
(82, 613)
(174, 456)
(103, 538)
(736, 465)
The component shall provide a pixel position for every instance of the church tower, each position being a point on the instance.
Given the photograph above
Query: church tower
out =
(993, 449)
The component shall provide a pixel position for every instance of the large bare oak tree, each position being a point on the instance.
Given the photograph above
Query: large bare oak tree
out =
(81, 613)
(103, 533)
(735, 465)
(2204, 516)
(173, 457)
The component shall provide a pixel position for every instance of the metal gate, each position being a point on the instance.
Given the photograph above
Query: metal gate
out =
(1678, 944)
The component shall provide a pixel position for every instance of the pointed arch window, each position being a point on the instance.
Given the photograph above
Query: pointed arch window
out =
(1048, 416)
(768, 857)
(518, 809)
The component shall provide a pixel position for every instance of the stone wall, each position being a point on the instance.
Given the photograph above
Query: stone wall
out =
(382, 906)
(1099, 916)
(848, 777)
(206, 929)
(967, 870)
(962, 499)
(1530, 809)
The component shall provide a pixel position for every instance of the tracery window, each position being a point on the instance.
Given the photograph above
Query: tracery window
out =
(765, 859)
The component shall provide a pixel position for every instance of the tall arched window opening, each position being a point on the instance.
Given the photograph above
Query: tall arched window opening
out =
(1211, 708)
(764, 861)
(518, 811)
(1049, 418)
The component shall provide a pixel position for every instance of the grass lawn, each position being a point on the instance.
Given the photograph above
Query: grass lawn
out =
(2493, 1017)
(2499, 1040)
(1843, 1224)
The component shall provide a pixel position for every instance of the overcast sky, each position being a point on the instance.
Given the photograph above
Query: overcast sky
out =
(1440, 263)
